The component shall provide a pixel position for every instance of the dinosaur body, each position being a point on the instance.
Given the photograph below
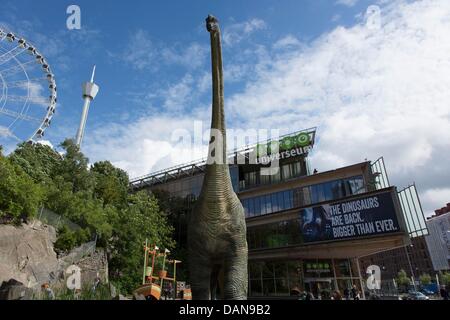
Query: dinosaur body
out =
(216, 228)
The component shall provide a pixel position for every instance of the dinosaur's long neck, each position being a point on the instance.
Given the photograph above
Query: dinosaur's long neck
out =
(218, 115)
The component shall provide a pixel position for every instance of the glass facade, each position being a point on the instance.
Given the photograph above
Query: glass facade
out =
(253, 177)
(275, 235)
(304, 196)
(190, 187)
(320, 277)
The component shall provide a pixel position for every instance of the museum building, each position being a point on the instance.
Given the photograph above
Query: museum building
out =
(306, 230)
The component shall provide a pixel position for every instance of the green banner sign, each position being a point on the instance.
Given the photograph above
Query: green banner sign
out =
(303, 139)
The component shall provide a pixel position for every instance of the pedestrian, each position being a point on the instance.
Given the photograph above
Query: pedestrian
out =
(355, 293)
(336, 295)
(444, 293)
(346, 294)
(96, 283)
(309, 296)
(48, 291)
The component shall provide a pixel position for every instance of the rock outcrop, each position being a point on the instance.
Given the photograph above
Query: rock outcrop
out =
(28, 260)
(26, 253)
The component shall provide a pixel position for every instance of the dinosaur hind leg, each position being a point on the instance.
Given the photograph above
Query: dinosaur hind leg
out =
(236, 278)
(200, 275)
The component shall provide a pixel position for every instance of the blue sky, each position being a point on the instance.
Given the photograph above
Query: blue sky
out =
(288, 65)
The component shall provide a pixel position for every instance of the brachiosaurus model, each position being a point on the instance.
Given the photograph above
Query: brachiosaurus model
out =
(216, 228)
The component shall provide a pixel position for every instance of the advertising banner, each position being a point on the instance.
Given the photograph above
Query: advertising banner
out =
(366, 216)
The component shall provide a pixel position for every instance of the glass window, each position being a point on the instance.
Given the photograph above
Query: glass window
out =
(327, 190)
(281, 286)
(265, 179)
(267, 270)
(269, 287)
(257, 202)
(281, 204)
(276, 177)
(274, 200)
(306, 196)
(286, 171)
(337, 189)
(356, 185)
(268, 203)
(296, 169)
(263, 205)
(291, 199)
(250, 178)
(342, 268)
(256, 288)
(280, 269)
(320, 189)
(245, 205)
(251, 210)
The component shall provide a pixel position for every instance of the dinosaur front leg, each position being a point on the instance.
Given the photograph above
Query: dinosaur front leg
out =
(236, 276)
(200, 276)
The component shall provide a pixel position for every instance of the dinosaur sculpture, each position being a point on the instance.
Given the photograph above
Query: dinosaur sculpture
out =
(217, 241)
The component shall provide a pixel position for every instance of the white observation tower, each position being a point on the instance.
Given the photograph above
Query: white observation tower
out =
(90, 90)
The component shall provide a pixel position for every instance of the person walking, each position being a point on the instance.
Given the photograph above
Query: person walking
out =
(347, 294)
(355, 293)
(336, 295)
(444, 293)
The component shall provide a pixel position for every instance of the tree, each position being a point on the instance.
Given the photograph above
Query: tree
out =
(74, 168)
(19, 195)
(425, 279)
(445, 278)
(141, 220)
(111, 184)
(96, 199)
(403, 279)
(37, 160)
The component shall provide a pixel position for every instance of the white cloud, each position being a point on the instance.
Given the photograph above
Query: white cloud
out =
(140, 52)
(237, 32)
(144, 146)
(288, 41)
(370, 92)
(192, 57)
(144, 53)
(347, 3)
(435, 198)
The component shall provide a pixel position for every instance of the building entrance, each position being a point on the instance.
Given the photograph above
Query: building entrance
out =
(320, 288)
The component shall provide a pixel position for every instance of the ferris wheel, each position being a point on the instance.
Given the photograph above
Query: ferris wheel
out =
(28, 90)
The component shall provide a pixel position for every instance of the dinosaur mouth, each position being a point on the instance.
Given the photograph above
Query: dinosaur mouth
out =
(211, 23)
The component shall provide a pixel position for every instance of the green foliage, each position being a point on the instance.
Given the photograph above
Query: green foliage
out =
(111, 184)
(402, 279)
(445, 278)
(140, 221)
(20, 196)
(37, 160)
(68, 239)
(102, 292)
(425, 279)
(94, 198)
(74, 168)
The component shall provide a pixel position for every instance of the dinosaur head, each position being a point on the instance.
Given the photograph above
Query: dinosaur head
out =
(212, 24)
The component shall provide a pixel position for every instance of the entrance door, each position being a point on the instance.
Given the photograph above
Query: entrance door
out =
(320, 288)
